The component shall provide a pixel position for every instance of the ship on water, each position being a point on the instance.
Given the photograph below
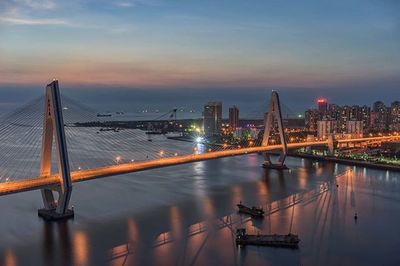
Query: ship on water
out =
(104, 114)
(275, 240)
(253, 211)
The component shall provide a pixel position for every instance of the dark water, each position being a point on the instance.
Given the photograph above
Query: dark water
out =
(173, 216)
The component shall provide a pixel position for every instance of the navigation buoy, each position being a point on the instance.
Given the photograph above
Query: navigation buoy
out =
(355, 216)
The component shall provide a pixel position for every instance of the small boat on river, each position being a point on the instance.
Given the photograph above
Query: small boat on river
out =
(253, 211)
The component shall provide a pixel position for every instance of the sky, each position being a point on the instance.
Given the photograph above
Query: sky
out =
(313, 47)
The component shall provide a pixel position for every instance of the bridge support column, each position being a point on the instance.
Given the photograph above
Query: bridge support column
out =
(274, 116)
(53, 128)
(332, 143)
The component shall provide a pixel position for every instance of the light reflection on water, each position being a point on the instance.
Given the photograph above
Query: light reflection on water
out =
(173, 216)
(9, 258)
(81, 247)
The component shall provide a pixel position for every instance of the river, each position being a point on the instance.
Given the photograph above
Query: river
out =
(186, 215)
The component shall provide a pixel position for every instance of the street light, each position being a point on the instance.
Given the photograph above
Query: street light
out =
(199, 139)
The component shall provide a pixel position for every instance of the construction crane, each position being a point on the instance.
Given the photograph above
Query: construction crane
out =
(170, 115)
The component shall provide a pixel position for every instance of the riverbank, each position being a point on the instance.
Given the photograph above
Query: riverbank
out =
(349, 161)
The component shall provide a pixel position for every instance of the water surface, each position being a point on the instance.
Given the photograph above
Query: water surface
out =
(173, 216)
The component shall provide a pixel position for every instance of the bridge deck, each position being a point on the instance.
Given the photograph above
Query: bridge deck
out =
(88, 174)
(84, 175)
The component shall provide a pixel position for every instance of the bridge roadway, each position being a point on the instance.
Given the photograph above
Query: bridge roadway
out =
(88, 174)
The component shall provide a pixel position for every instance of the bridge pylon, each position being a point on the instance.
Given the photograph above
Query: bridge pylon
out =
(274, 115)
(53, 129)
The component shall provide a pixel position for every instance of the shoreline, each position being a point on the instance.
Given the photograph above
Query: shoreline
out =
(349, 162)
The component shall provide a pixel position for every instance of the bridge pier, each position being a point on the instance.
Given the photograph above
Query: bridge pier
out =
(274, 116)
(332, 144)
(53, 128)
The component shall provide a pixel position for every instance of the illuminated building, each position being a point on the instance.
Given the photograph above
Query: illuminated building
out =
(344, 116)
(365, 117)
(333, 112)
(326, 127)
(379, 118)
(248, 132)
(322, 105)
(355, 112)
(212, 118)
(226, 130)
(359, 113)
(355, 127)
(233, 117)
(379, 121)
(311, 118)
(395, 116)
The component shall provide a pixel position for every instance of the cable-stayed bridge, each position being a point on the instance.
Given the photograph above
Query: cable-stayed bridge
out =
(44, 146)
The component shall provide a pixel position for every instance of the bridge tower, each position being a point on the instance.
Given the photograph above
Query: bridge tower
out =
(53, 129)
(274, 116)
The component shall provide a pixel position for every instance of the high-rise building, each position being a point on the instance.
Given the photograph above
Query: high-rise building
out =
(373, 120)
(234, 117)
(212, 118)
(365, 117)
(395, 116)
(355, 127)
(326, 127)
(379, 118)
(333, 111)
(345, 115)
(322, 105)
(311, 118)
(380, 121)
(355, 112)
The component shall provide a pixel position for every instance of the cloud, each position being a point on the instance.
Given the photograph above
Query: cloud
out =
(125, 4)
(33, 21)
(36, 4)
(134, 3)
(15, 12)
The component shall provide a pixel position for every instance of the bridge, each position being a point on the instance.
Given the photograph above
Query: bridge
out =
(56, 172)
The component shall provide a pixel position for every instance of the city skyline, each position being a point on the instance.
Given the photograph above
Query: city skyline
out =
(250, 100)
(228, 44)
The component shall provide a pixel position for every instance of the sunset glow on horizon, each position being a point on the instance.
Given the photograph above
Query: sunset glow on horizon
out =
(205, 44)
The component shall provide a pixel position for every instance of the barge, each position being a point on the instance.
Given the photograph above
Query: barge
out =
(275, 240)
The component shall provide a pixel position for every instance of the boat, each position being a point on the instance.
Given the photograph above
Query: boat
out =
(116, 129)
(173, 134)
(253, 211)
(104, 115)
(154, 132)
(275, 166)
(275, 240)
